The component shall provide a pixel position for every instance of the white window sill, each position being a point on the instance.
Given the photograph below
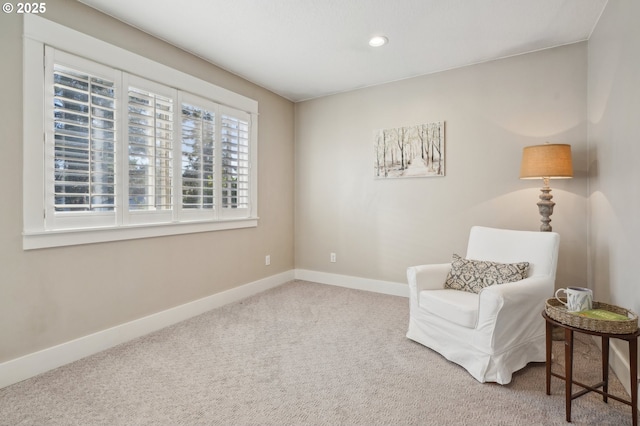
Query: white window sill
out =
(70, 237)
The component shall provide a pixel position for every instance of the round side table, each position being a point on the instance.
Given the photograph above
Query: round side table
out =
(632, 338)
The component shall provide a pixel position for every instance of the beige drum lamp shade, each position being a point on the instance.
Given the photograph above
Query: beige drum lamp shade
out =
(551, 161)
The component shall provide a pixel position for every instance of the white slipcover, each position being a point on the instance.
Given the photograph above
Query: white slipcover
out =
(498, 331)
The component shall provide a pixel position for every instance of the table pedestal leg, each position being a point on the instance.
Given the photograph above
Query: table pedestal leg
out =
(568, 370)
(549, 336)
(605, 367)
(633, 361)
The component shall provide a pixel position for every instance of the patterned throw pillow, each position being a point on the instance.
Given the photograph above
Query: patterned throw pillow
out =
(474, 275)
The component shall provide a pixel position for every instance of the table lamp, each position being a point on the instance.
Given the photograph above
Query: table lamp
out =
(548, 161)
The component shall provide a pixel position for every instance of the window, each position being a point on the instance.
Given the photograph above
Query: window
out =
(84, 141)
(151, 130)
(150, 140)
(198, 159)
(130, 149)
(235, 162)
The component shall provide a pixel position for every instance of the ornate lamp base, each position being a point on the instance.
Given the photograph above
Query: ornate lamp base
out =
(545, 206)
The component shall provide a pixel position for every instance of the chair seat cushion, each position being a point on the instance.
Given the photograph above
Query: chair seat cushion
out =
(459, 307)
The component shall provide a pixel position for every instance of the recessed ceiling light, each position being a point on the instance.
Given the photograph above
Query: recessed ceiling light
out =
(378, 41)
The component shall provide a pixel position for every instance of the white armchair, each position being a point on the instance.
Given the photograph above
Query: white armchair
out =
(499, 330)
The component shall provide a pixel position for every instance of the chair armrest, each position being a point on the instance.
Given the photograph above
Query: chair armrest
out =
(512, 304)
(427, 277)
(529, 292)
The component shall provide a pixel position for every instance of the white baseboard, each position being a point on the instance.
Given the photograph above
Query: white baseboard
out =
(358, 283)
(30, 365)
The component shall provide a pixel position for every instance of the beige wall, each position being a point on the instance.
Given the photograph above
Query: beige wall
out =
(51, 296)
(614, 152)
(492, 110)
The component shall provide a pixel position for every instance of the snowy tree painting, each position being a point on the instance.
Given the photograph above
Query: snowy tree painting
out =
(416, 151)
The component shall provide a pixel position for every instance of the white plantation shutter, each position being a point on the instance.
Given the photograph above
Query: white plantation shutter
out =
(150, 120)
(84, 162)
(80, 147)
(198, 161)
(235, 167)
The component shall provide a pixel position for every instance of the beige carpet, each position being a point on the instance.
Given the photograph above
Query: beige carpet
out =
(299, 354)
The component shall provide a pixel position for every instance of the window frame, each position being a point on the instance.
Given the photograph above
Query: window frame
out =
(37, 233)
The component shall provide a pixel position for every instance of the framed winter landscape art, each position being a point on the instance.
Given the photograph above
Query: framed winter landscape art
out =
(416, 151)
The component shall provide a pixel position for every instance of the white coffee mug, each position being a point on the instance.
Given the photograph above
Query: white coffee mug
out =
(578, 298)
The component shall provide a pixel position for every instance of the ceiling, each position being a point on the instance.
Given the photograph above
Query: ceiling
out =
(304, 49)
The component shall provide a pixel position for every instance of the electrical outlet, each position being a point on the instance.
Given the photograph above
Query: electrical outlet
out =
(332, 258)
(267, 260)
